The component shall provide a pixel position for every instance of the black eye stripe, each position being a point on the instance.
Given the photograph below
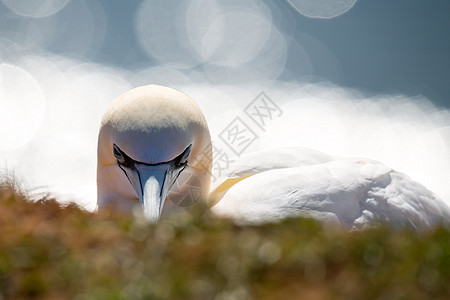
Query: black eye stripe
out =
(122, 158)
(182, 158)
(125, 160)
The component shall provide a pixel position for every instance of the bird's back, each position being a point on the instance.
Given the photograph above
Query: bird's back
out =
(286, 182)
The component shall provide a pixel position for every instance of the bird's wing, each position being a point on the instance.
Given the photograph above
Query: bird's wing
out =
(257, 162)
(352, 193)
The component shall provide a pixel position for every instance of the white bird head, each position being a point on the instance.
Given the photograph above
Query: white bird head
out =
(153, 145)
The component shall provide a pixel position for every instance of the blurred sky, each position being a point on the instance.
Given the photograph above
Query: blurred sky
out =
(377, 46)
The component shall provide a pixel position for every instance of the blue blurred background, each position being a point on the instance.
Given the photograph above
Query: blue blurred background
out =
(377, 46)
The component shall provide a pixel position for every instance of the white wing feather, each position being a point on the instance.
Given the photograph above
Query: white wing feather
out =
(352, 192)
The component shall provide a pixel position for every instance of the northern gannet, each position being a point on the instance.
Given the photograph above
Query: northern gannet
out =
(154, 145)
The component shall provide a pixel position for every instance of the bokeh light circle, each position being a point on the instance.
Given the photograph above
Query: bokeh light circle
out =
(22, 105)
(228, 33)
(35, 8)
(324, 9)
(78, 30)
(161, 31)
(235, 38)
(229, 41)
(266, 66)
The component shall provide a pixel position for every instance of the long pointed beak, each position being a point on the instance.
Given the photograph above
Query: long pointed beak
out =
(152, 181)
(151, 185)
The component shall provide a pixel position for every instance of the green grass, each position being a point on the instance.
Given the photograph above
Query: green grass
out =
(53, 252)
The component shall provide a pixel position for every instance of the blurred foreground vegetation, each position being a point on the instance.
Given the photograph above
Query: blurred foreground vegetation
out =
(53, 252)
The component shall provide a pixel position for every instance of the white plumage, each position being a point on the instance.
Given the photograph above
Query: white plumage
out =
(154, 144)
(286, 182)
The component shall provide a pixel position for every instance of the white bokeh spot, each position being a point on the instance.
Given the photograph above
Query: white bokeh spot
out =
(324, 9)
(22, 105)
(35, 8)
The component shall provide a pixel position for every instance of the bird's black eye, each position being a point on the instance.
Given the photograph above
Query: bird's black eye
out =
(181, 160)
(118, 153)
(122, 158)
(185, 155)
